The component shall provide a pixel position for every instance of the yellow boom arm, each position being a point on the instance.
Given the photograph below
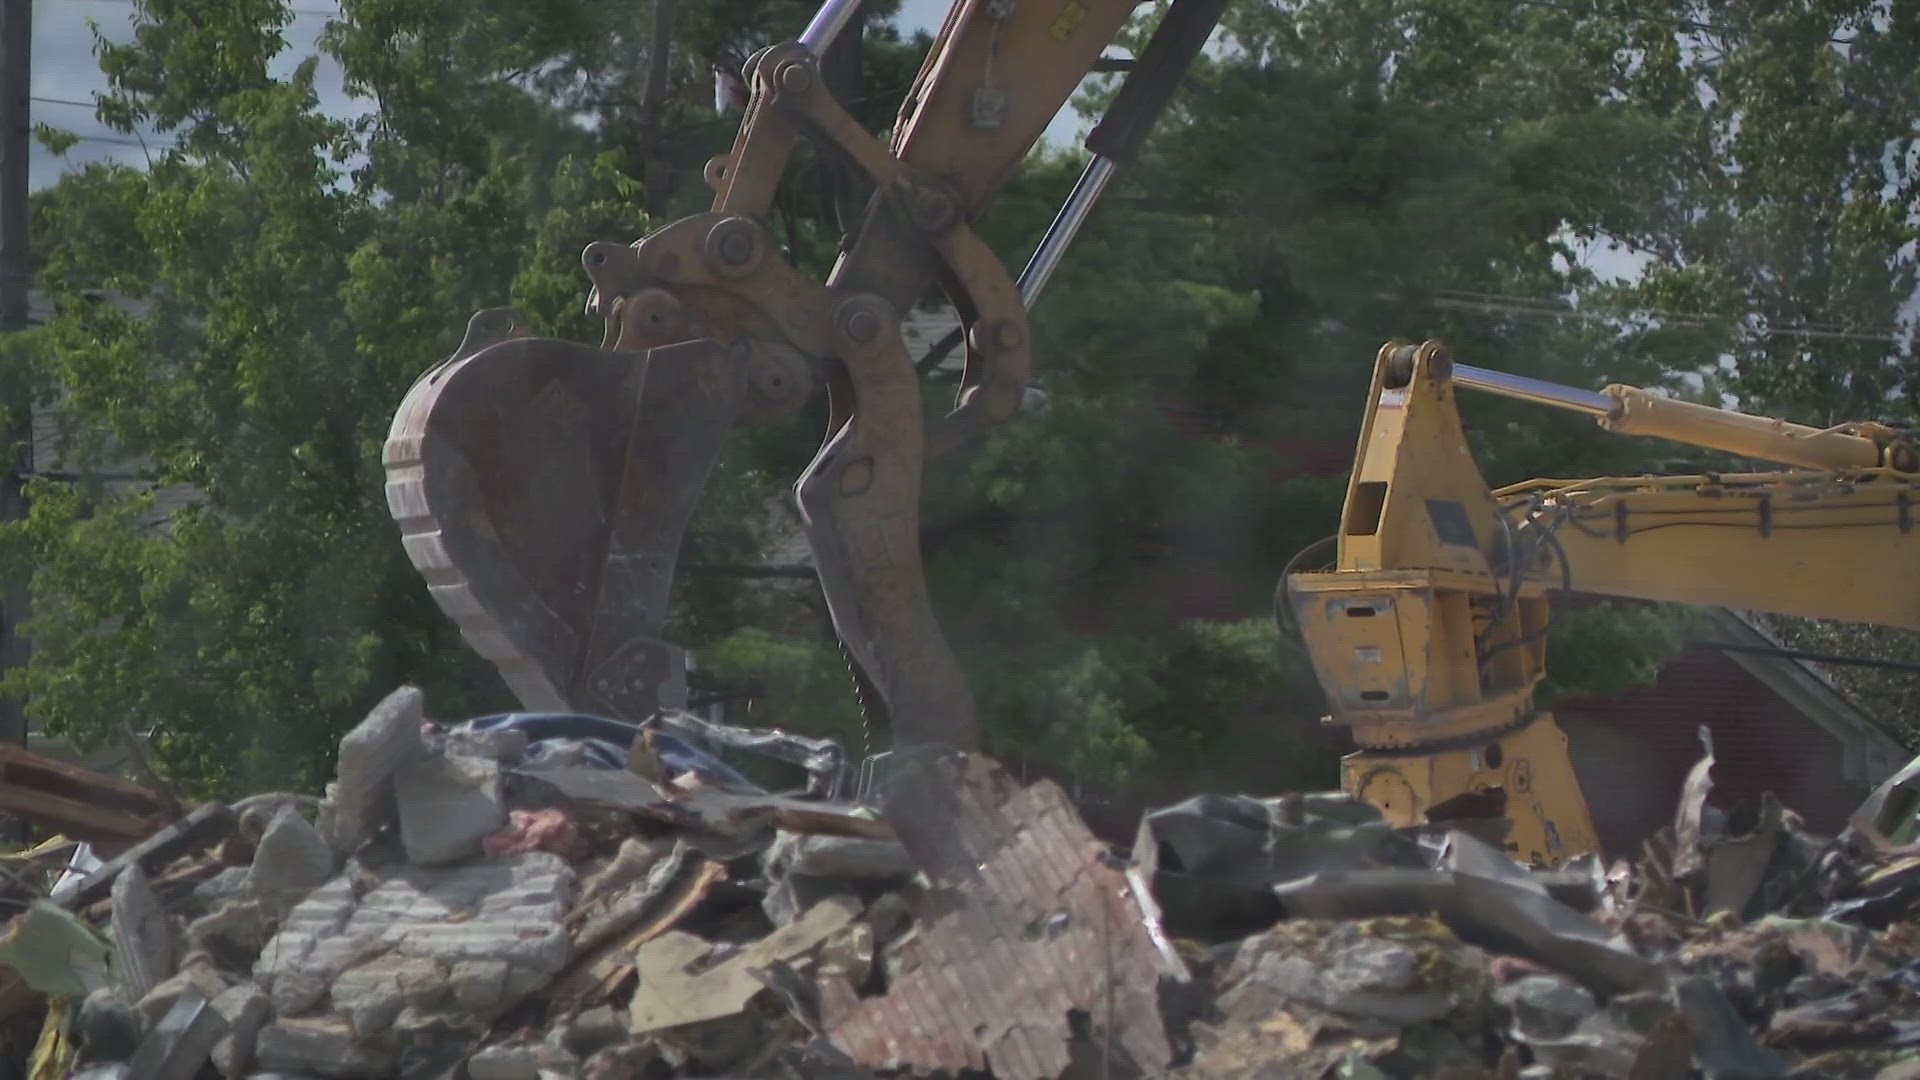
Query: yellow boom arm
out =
(1429, 633)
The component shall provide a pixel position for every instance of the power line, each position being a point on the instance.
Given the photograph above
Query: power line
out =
(1548, 308)
(1556, 304)
(1525, 311)
(115, 140)
(151, 144)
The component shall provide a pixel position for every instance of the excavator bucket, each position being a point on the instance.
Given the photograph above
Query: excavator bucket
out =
(542, 487)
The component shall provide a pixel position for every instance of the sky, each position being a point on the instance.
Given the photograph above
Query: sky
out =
(65, 72)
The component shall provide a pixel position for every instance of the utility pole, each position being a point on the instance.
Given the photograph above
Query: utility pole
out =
(16, 277)
(658, 180)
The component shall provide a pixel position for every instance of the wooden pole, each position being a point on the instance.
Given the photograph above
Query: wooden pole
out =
(653, 106)
(16, 278)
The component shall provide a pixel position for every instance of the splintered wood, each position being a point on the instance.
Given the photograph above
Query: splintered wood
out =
(77, 803)
(1029, 941)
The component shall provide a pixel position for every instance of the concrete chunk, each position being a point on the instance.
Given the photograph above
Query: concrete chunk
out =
(1546, 1006)
(505, 1063)
(146, 943)
(246, 1010)
(291, 861)
(504, 745)
(229, 884)
(490, 933)
(480, 985)
(237, 929)
(448, 805)
(323, 1047)
(180, 1045)
(197, 975)
(360, 798)
(369, 998)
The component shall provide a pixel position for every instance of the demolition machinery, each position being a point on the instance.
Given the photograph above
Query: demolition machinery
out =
(543, 486)
(1429, 632)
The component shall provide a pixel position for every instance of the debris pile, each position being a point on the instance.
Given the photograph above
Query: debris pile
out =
(544, 895)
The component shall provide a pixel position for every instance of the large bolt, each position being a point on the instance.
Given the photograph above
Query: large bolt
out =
(795, 77)
(860, 318)
(862, 326)
(1438, 360)
(779, 380)
(733, 245)
(658, 314)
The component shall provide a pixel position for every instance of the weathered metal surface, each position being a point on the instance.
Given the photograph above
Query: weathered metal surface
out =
(542, 488)
(823, 759)
(1890, 810)
(1027, 926)
(506, 464)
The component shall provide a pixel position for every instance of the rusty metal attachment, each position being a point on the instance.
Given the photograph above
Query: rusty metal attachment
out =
(734, 246)
(542, 487)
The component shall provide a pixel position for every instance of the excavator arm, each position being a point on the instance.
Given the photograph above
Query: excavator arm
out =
(543, 487)
(1429, 633)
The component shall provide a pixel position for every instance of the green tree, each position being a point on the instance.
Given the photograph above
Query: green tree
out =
(1782, 233)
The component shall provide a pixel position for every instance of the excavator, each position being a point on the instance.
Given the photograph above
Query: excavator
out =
(543, 487)
(1428, 633)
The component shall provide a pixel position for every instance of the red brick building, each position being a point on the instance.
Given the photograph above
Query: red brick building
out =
(1776, 725)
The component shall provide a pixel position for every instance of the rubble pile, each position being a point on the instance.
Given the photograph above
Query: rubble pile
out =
(539, 895)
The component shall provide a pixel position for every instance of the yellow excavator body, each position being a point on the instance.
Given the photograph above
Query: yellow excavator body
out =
(1429, 633)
